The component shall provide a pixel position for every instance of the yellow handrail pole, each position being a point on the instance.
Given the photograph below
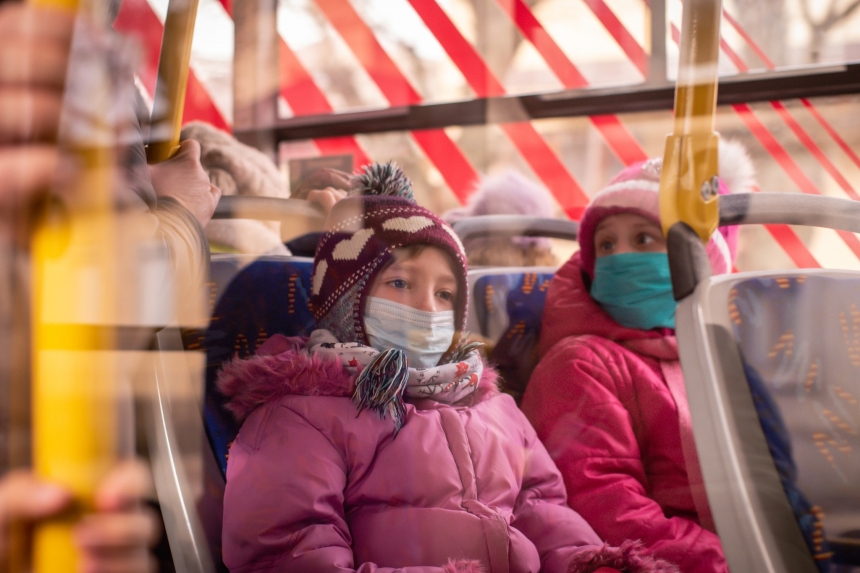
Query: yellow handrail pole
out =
(688, 186)
(73, 309)
(172, 80)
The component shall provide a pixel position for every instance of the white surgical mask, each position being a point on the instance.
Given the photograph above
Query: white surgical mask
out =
(424, 336)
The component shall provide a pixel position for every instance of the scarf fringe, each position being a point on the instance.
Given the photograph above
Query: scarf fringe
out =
(381, 385)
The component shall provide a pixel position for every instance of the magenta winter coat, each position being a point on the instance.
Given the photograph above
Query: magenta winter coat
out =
(609, 404)
(312, 485)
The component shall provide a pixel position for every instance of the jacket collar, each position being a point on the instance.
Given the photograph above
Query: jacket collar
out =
(281, 367)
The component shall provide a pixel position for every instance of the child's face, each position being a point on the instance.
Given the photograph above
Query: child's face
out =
(424, 282)
(628, 233)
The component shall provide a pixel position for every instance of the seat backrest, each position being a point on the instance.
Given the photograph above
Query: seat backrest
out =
(253, 298)
(771, 363)
(506, 310)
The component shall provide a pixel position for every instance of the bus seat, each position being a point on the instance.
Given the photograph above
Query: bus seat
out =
(253, 298)
(506, 311)
(771, 366)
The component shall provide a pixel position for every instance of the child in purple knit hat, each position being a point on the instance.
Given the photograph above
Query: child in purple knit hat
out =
(380, 442)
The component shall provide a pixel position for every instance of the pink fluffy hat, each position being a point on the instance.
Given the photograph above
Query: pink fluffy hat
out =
(635, 190)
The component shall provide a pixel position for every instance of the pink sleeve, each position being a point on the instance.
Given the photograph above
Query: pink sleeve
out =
(541, 512)
(572, 403)
(283, 504)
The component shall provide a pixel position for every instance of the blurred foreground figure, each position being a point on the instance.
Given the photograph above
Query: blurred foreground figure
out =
(509, 193)
(114, 539)
(174, 201)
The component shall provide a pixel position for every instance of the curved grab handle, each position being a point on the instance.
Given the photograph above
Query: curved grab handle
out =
(516, 226)
(790, 209)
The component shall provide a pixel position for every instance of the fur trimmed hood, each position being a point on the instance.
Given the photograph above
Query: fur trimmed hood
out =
(629, 557)
(282, 368)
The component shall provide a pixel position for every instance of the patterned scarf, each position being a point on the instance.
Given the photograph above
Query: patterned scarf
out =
(385, 377)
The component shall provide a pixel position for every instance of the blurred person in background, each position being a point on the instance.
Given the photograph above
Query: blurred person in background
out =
(509, 193)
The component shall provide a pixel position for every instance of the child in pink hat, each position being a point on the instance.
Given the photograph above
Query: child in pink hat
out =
(608, 397)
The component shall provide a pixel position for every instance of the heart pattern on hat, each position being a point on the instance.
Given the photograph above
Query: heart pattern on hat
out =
(349, 249)
(407, 224)
(319, 275)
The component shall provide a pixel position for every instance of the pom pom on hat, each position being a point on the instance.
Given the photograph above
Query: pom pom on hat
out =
(635, 190)
(382, 179)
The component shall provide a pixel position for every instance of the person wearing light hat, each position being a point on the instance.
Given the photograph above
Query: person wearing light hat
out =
(381, 442)
(607, 397)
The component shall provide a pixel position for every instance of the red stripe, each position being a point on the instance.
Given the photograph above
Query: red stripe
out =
(461, 52)
(748, 39)
(297, 86)
(829, 129)
(305, 98)
(619, 139)
(368, 50)
(449, 159)
(538, 154)
(814, 149)
(565, 70)
(137, 20)
(635, 52)
(734, 57)
(793, 246)
(806, 103)
(441, 150)
(616, 135)
(199, 105)
(546, 164)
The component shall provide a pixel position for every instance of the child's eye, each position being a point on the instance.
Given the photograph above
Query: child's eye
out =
(606, 245)
(644, 239)
(398, 283)
(446, 295)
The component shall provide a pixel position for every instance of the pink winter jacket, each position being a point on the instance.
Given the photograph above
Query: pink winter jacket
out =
(609, 404)
(315, 486)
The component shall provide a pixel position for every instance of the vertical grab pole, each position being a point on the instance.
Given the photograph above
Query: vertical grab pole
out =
(172, 80)
(689, 211)
(73, 306)
(689, 186)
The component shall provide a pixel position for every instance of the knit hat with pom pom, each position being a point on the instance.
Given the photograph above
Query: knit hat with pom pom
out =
(362, 231)
(635, 190)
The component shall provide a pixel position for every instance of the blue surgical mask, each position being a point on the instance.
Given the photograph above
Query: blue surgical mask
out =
(424, 336)
(635, 289)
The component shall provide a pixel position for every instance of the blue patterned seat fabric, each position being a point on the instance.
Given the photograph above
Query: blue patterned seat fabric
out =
(251, 303)
(799, 337)
(509, 307)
